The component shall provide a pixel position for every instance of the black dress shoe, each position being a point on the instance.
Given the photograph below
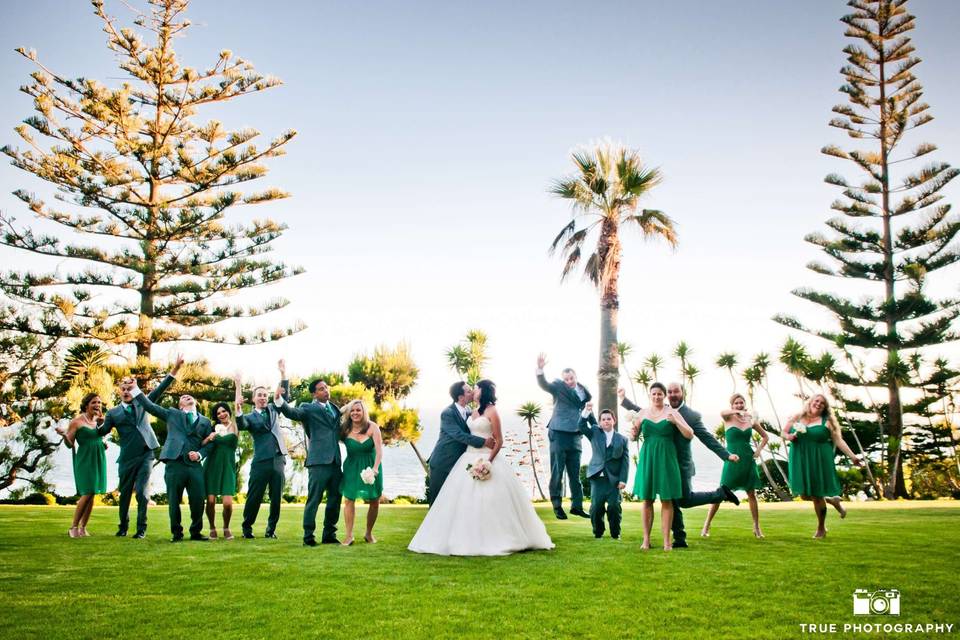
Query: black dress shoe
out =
(309, 542)
(329, 541)
(558, 511)
(177, 538)
(248, 535)
(730, 496)
(140, 535)
(121, 534)
(270, 535)
(580, 512)
(198, 537)
(681, 545)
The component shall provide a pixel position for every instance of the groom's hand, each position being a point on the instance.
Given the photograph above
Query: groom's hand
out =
(490, 443)
(541, 360)
(734, 458)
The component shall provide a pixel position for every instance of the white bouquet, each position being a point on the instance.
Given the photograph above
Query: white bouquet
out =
(368, 475)
(799, 427)
(631, 416)
(222, 429)
(480, 469)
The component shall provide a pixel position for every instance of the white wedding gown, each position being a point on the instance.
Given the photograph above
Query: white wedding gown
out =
(492, 517)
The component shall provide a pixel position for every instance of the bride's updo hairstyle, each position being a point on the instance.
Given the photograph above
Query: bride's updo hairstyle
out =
(488, 395)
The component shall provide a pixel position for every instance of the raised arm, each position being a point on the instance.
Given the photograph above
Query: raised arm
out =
(625, 402)
(494, 417)
(294, 413)
(148, 405)
(541, 379)
(70, 433)
(764, 438)
(587, 421)
(237, 395)
(106, 426)
(452, 429)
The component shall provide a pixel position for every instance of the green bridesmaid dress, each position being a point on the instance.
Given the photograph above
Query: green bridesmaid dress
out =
(812, 469)
(90, 462)
(360, 455)
(658, 472)
(220, 467)
(743, 474)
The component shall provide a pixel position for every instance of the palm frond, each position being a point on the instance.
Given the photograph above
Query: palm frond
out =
(572, 260)
(568, 230)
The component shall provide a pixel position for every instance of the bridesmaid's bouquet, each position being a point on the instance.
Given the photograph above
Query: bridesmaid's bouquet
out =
(480, 470)
(221, 429)
(368, 475)
(799, 427)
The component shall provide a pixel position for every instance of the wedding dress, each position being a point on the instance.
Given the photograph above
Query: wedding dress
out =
(491, 517)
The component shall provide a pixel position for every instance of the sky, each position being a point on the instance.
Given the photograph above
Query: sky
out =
(429, 133)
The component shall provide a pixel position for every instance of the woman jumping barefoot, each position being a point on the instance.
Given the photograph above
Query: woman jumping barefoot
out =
(742, 474)
(658, 472)
(813, 434)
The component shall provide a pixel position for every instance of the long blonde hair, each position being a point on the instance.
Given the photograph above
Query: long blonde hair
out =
(827, 413)
(346, 423)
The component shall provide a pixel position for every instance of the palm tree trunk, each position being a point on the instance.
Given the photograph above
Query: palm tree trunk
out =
(608, 373)
(533, 459)
(423, 463)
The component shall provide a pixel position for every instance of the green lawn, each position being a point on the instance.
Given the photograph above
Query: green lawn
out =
(727, 586)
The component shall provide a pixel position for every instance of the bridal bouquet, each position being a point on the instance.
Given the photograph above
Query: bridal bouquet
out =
(368, 475)
(222, 429)
(480, 470)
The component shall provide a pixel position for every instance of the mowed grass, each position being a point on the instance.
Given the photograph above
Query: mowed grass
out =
(728, 586)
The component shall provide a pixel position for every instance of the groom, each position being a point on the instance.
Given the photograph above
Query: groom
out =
(569, 399)
(454, 439)
(685, 458)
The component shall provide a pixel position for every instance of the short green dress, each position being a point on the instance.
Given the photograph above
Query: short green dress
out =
(360, 455)
(89, 462)
(220, 467)
(743, 474)
(812, 471)
(658, 472)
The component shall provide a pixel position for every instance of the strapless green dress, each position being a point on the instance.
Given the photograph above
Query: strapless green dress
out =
(89, 462)
(658, 472)
(812, 469)
(360, 455)
(743, 474)
(220, 467)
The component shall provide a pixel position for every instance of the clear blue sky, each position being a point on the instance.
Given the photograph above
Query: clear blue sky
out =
(429, 132)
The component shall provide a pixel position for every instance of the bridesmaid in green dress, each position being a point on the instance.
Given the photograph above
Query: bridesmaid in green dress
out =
(362, 472)
(739, 425)
(220, 467)
(658, 472)
(813, 435)
(89, 460)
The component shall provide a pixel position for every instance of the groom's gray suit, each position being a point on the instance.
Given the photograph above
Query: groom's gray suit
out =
(454, 439)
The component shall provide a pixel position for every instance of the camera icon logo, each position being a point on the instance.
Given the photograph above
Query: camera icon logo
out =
(881, 602)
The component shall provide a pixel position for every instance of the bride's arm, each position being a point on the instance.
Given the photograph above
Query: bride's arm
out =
(494, 417)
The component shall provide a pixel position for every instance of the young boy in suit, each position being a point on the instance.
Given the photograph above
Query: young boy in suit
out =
(608, 469)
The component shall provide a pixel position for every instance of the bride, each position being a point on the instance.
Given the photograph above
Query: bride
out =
(489, 517)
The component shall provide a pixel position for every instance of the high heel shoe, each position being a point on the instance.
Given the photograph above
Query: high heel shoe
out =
(73, 532)
(347, 542)
(213, 533)
(370, 539)
(758, 534)
(227, 535)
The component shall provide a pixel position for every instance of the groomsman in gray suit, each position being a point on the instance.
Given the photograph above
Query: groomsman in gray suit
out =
(454, 438)
(269, 458)
(321, 423)
(569, 399)
(182, 452)
(137, 444)
(685, 458)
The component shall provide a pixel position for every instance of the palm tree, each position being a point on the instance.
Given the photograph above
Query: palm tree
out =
(682, 352)
(643, 377)
(728, 361)
(82, 357)
(793, 356)
(690, 372)
(458, 359)
(653, 362)
(624, 349)
(605, 192)
(530, 411)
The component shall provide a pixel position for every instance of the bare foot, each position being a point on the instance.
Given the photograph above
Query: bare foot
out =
(369, 538)
(820, 534)
(705, 533)
(838, 505)
(645, 546)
